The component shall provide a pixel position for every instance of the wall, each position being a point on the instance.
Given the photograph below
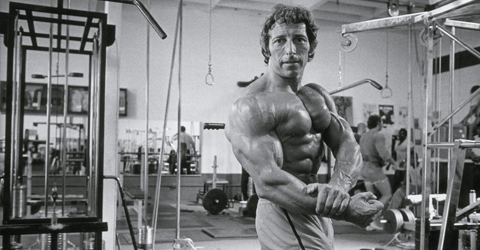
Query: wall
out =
(236, 57)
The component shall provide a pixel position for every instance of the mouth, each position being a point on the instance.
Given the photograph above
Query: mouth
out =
(291, 62)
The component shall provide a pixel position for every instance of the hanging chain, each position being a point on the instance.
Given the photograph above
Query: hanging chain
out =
(209, 80)
(386, 91)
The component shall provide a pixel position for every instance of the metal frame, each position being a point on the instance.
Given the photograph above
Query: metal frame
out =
(446, 14)
(90, 20)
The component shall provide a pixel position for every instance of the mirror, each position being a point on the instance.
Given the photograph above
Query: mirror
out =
(131, 147)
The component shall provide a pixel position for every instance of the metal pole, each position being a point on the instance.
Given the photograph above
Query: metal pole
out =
(454, 38)
(65, 110)
(49, 102)
(162, 151)
(150, 19)
(425, 178)
(15, 108)
(409, 112)
(458, 108)
(179, 148)
(145, 162)
(452, 93)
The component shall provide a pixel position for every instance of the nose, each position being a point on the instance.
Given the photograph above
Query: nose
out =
(290, 48)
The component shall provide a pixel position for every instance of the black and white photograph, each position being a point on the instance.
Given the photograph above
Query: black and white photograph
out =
(239, 125)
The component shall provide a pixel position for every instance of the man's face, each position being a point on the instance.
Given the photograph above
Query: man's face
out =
(402, 135)
(289, 49)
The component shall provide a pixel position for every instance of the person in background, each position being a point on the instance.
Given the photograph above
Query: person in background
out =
(361, 129)
(375, 154)
(278, 129)
(471, 174)
(400, 156)
(473, 116)
(187, 140)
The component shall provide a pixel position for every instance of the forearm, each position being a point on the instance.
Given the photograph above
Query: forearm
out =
(380, 145)
(286, 191)
(346, 173)
(387, 157)
(339, 138)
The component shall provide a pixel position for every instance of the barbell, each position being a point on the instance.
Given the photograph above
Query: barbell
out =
(395, 220)
(214, 201)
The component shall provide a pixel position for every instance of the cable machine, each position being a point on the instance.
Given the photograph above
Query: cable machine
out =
(434, 22)
(44, 29)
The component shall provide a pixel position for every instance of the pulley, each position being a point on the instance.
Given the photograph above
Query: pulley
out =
(215, 200)
(423, 37)
(393, 8)
(349, 42)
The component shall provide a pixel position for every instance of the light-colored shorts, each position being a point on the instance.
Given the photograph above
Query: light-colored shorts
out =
(275, 233)
(372, 172)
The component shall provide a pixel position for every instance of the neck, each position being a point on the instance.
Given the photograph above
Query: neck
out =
(278, 82)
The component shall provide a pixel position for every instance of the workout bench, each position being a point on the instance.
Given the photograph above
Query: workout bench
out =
(138, 196)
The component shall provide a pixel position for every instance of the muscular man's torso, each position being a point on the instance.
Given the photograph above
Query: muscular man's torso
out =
(288, 120)
(370, 142)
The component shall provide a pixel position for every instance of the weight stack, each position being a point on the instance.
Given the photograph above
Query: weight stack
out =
(46, 241)
(19, 208)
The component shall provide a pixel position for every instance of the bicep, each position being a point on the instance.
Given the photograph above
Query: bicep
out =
(259, 155)
(338, 133)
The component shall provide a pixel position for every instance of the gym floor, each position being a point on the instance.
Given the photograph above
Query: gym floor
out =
(230, 230)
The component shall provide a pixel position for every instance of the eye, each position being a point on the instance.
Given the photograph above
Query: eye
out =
(279, 41)
(301, 40)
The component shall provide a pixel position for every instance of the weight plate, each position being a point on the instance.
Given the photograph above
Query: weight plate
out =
(215, 200)
(407, 215)
(394, 221)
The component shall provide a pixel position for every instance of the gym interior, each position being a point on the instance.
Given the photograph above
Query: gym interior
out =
(110, 85)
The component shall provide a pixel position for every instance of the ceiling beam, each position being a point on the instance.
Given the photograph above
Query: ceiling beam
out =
(264, 6)
(214, 3)
(335, 17)
(313, 4)
(347, 9)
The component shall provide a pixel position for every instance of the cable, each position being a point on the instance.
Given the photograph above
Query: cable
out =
(209, 80)
(386, 91)
(393, 239)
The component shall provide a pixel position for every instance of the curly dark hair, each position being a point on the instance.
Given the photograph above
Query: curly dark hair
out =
(373, 121)
(289, 14)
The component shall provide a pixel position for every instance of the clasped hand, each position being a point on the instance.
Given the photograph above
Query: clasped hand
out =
(333, 202)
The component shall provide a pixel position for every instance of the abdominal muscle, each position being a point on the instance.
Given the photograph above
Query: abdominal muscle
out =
(301, 157)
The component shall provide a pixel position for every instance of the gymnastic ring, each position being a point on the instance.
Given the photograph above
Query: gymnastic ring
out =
(209, 80)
